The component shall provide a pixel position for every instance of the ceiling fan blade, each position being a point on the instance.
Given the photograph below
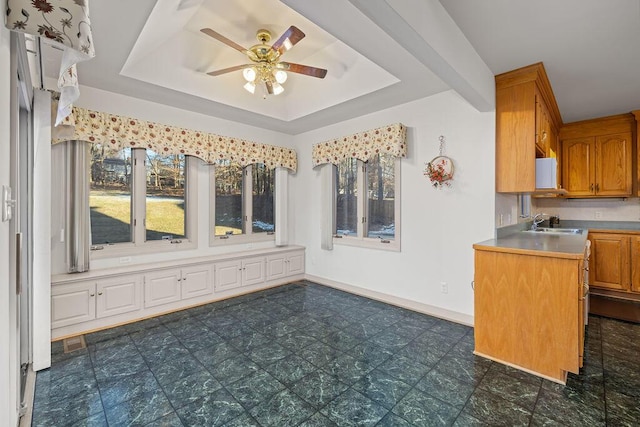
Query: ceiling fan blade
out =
(302, 69)
(228, 70)
(223, 39)
(287, 40)
(269, 86)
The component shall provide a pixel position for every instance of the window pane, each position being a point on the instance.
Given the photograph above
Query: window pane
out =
(110, 195)
(165, 199)
(228, 182)
(263, 186)
(346, 197)
(381, 197)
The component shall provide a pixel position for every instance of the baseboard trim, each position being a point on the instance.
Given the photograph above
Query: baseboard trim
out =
(431, 310)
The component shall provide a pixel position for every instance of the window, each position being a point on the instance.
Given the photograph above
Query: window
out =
(243, 203)
(367, 204)
(139, 200)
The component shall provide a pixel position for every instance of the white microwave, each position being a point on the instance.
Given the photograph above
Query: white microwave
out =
(547, 173)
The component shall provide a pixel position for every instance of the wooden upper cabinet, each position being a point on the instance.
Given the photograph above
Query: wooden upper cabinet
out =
(527, 123)
(597, 157)
(577, 164)
(613, 174)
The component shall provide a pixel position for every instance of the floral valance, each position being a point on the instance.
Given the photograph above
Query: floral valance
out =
(363, 146)
(121, 132)
(64, 23)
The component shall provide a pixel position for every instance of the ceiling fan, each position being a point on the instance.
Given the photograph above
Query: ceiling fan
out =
(266, 66)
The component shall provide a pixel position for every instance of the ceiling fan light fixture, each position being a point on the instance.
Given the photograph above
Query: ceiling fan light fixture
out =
(280, 76)
(250, 87)
(277, 88)
(249, 74)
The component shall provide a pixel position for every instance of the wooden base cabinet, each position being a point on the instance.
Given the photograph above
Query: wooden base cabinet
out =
(529, 312)
(615, 264)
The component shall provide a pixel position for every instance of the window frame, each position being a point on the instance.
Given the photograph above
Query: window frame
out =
(248, 236)
(139, 245)
(360, 240)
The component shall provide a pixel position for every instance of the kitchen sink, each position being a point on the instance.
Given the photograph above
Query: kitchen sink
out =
(547, 230)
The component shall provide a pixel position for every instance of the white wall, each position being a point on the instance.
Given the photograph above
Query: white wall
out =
(438, 226)
(100, 100)
(8, 392)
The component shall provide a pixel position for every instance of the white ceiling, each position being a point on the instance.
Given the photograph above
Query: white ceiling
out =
(378, 53)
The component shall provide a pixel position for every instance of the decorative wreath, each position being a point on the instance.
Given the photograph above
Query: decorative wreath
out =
(440, 169)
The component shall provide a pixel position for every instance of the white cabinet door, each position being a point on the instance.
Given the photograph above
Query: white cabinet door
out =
(228, 275)
(118, 295)
(295, 264)
(161, 288)
(196, 281)
(252, 271)
(276, 267)
(73, 303)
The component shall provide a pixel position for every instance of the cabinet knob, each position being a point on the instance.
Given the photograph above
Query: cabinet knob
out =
(597, 187)
(100, 293)
(92, 295)
(591, 187)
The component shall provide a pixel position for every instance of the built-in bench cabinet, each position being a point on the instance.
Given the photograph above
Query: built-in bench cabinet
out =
(104, 298)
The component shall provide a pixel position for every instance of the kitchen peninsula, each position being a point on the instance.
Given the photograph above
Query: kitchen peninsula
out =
(530, 301)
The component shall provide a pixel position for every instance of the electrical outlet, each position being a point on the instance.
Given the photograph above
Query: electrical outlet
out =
(598, 215)
(444, 288)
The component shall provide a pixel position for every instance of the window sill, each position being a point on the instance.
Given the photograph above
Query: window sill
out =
(238, 239)
(392, 246)
(127, 249)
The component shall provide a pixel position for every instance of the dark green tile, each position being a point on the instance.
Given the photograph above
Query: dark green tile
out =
(382, 388)
(568, 409)
(318, 420)
(420, 409)
(347, 368)
(622, 409)
(191, 388)
(214, 409)
(511, 389)
(282, 410)
(140, 410)
(353, 409)
(392, 420)
(319, 388)
(232, 369)
(290, 369)
(319, 354)
(446, 388)
(120, 389)
(494, 410)
(404, 369)
(466, 370)
(254, 388)
(176, 369)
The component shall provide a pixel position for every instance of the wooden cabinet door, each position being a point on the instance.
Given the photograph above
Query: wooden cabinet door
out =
(252, 271)
(196, 281)
(635, 263)
(577, 166)
(119, 295)
(609, 263)
(613, 165)
(72, 303)
(161, 288)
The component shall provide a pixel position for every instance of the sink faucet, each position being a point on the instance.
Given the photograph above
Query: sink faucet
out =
(537, 220)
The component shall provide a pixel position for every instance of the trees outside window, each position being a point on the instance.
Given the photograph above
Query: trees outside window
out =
(140, 198)
(366, 203)
(243, 203)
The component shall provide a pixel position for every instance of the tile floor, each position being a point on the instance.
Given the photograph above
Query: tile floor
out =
(308, 355)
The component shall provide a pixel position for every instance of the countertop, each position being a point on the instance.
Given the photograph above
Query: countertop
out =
(539, 244)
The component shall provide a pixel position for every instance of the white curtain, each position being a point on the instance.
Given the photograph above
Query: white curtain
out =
(78, 222)
(281, 207)
(326, 202)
